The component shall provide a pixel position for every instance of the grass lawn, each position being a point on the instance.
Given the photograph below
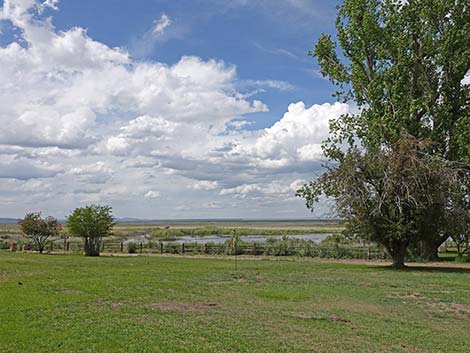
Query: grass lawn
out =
(70, 303)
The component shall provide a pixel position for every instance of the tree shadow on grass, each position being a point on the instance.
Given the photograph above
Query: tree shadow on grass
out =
(427, 268)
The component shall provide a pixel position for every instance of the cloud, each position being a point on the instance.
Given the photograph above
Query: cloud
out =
(96, 173)
(24, 170)
(280, 85)
(50, 4)
(159, 25)
(152, 194)
(278, 52)
(160, 31)
(298, 135)
(103, 127)
(272, 188)
(62, 83)
(205, 185)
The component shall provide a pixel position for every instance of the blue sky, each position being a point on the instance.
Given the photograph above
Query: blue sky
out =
(162, 109)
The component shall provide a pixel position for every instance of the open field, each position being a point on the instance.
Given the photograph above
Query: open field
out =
(70, 303)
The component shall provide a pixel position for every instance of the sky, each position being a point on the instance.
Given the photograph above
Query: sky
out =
(163, 109)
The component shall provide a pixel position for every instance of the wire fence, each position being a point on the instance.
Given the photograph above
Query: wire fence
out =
(275, 248)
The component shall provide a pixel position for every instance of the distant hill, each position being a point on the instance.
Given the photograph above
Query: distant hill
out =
(8, 220)
(137, 220)
(130, 219)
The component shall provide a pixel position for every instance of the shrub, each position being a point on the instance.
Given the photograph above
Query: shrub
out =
(336, 239)
(131, 248)
(92, 223)
(39, 229)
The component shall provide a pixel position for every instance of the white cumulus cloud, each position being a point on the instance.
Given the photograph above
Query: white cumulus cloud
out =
(102, 127)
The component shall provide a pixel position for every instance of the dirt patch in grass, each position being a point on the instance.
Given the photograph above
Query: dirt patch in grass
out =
(71, 291)
(461, 311)
(328, 317)
(406, 295)
(182, 307)
(461, 307)
(116, 305)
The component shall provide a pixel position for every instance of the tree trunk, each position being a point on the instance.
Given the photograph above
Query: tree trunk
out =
(92, 247)
(398, 261)
(397, 251)
(428, 248)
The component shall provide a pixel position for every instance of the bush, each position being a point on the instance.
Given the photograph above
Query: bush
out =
(336, 239)
(39, 229)
(173, 248)
(131, 248)
(92, 223)
(463, 258)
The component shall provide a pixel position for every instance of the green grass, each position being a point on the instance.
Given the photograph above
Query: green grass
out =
(70, 303)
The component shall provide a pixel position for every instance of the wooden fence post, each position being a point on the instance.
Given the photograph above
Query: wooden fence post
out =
(182, 248)
(161, 247)
(205, 248)
(141, 247)
(122, 246)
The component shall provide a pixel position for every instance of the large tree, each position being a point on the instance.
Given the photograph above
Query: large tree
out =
(92, 223)
(403, 63)
(39, 229)
(383, 193)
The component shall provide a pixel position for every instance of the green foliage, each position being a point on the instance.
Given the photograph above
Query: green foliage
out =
(403, 64)
(39, 229)
(92, 223)
(282, 247)
(234, 245)
(386, 194)
(172, 233)
(131, 248)
(462, 258)
(336, 239)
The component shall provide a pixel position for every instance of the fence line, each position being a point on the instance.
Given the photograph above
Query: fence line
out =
(278, 248)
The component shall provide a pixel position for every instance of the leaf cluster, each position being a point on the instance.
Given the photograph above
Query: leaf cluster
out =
(94, 221)
(403, 64)
(39, 229)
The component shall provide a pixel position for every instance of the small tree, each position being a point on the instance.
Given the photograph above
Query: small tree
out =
(39, 229)
(92, 223)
